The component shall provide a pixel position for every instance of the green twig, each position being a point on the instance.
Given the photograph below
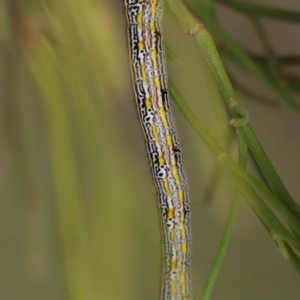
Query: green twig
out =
(287, 60)
(236, 110)
(234, 169)
(189, 23)
(227, 231)
(247, 185)
(263, 11)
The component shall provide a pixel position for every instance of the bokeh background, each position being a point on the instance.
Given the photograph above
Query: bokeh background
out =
(78, 210)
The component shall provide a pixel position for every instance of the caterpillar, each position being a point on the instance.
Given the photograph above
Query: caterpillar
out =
(152, 97)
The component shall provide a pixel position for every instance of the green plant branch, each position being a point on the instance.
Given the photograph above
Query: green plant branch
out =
(288, 60)
(191, 24)
(263, 10)
(216, 174)
(268, 170)
(244, 181)
(247, 185)
(211, 280)
(235, 170)
(293, 257)
(236, 110)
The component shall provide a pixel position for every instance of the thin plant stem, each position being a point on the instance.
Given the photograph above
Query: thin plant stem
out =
(230, 165)
(211, 280)
(192, 25)
(238, 113)
(263, 10)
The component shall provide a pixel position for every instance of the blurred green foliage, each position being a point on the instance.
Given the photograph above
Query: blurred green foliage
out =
(79, 217)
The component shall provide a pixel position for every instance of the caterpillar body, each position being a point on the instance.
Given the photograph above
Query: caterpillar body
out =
(153, 103)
